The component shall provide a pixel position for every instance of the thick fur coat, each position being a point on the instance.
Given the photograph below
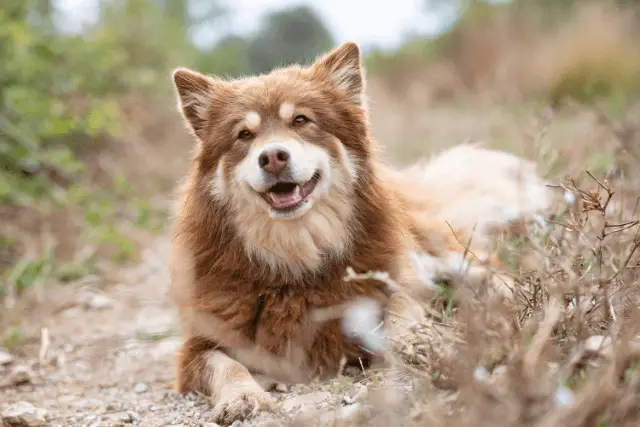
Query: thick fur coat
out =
(285, 193)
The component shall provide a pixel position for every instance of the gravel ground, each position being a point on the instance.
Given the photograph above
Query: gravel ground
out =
(107, 360)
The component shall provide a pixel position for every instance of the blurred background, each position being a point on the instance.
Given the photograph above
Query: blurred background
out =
(91, 145)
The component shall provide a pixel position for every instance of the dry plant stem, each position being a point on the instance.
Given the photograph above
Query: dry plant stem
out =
(44, 346)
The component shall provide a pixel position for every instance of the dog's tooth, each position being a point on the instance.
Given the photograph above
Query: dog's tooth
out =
(296, 193)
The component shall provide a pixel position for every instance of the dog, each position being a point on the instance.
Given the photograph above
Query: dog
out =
(286, 193)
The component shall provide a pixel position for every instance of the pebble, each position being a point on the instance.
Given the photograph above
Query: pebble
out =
(96, 301)
(90, 419)
(211, 425)
(21, 374)
(140, 388)
(281, 388)
(309, 399)
(71, 312)
(237, 423)
(346, 400)
(88, 404)
(130, 418)
(5, 357)
(24, 414)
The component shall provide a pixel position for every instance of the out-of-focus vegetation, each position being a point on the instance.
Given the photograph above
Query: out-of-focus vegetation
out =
(548, 50)
(90, 143)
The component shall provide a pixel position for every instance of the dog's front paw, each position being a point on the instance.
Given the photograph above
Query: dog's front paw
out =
(240, 402)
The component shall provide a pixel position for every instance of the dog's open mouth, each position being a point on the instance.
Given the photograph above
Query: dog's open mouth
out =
(287, 196)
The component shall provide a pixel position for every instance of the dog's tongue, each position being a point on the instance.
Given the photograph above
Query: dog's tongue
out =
(286, 200)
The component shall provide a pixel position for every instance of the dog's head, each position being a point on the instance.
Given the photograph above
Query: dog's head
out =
(283, 150)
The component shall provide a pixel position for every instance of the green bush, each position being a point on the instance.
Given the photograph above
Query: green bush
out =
(58, 90)
(52, 92)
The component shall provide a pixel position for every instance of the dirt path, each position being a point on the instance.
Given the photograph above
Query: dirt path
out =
(110, 359)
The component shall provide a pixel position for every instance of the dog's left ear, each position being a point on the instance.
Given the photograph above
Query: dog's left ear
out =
(343, 67)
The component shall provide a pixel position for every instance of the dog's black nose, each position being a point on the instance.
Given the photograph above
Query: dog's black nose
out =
(273, 160)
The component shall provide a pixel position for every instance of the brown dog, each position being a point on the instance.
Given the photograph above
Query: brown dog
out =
(286, 192)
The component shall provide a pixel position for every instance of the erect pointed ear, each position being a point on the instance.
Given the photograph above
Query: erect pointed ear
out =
(343, 67)
(194, 93)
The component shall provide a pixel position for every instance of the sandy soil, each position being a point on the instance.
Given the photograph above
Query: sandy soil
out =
(109, 362)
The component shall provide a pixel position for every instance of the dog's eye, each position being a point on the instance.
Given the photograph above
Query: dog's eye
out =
(245, 135)
(301, 119)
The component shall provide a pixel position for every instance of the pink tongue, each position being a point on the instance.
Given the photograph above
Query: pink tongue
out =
(285, 200)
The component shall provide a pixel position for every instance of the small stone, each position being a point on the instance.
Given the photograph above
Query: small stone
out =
(140, 388)
(5, 357)
(100, 302)
(95, 301)
(21, 375)
(211, 425)
(305, 400)
(88, 404)
(71, 312)
(134, 417)
(89, 419)
(346, 400)
(130, 418)
(237, 423)
(24, 414)
(281, 388)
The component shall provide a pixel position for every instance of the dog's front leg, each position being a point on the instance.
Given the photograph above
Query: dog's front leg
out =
(234, 392)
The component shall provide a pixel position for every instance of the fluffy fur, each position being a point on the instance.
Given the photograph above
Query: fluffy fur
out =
(249, 276)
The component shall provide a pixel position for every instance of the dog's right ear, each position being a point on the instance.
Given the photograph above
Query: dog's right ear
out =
(194, 93)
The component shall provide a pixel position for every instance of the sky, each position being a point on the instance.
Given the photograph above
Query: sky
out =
(383, 23)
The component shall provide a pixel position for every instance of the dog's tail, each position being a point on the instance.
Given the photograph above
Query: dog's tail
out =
(473, 189)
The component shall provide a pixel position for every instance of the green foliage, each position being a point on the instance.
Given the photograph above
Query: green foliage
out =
(60, 101)
(59, 91)
(229, 58)
(49, 96)
(12, 337)
(288, 36)
(615, 77)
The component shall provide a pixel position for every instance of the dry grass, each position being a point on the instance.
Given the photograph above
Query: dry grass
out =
(564, 349)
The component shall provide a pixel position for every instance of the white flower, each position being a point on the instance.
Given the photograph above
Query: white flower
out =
(569, 198)
(480, 374)
(564, 396)
(361, 320)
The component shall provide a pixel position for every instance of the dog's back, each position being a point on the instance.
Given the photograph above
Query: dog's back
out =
(460, 195)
